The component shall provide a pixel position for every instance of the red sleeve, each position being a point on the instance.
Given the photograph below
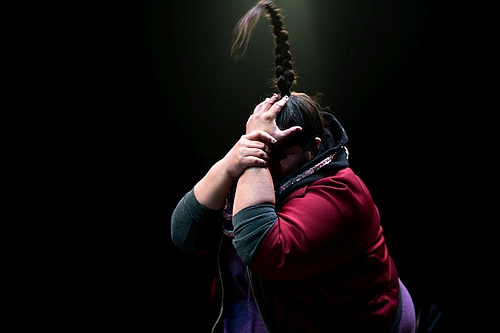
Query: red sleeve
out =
(319, 228)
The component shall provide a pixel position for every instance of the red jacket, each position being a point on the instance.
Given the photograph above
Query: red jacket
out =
(317, 262)
(324, 263)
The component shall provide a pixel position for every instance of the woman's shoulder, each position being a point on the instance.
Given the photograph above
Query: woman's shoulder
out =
(345, 183)
(344, 176)
(344, 180)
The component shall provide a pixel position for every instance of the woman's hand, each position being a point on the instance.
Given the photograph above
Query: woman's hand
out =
(264, 118)
(251, 150)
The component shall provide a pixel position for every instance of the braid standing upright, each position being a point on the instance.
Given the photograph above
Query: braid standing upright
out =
(285, 74)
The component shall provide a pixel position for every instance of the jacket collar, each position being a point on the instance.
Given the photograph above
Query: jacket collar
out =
(331, 158)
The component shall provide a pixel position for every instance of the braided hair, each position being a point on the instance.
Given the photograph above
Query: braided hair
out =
(285, 74)
(301, 109)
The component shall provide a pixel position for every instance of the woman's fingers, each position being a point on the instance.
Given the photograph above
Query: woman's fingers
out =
(262, 137)
(277, 106)
(264, 115)
(286, 134)
(265, 105)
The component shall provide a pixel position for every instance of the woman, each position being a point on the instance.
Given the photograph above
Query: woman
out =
(298, 236)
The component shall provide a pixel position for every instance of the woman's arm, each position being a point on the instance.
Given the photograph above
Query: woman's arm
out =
(255, 185)
(192, 221)
(251, 150)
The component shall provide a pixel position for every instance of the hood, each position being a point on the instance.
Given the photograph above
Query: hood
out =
(331, 158)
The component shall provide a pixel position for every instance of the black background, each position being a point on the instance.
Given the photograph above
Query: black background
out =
(157, 101)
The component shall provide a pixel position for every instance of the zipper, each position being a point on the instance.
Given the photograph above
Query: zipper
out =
(250, 281)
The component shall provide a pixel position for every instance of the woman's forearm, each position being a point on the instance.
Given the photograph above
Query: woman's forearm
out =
(212, 189)
(251, 150)
(255, 186)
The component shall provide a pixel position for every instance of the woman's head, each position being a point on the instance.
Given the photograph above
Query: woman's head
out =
(304, 111)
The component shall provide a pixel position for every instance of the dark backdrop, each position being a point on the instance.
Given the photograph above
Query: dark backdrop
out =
(167, 102)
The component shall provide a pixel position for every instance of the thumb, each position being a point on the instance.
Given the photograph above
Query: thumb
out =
(287, 133)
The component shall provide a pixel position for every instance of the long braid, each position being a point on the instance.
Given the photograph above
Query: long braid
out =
(285, 75)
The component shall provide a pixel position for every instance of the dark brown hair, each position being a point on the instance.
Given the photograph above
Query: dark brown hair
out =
(301, 109)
